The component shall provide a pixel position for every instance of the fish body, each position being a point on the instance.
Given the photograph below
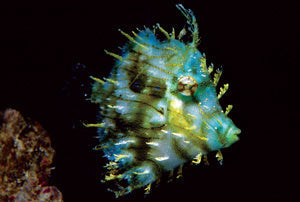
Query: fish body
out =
(159, 108)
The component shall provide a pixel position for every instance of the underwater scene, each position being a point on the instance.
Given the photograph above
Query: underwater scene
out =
(145, 101)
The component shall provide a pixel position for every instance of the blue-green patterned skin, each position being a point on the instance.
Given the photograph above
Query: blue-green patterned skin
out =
(159, 108)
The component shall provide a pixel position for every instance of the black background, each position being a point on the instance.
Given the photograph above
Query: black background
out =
(255, 42)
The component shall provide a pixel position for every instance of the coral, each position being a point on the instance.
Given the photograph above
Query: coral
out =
(26, 156)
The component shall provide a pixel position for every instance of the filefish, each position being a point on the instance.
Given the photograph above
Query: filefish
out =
(159, 107)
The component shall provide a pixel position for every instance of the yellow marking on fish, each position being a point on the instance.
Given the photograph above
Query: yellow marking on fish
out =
(182, 33)
(159, 68)
(173, 33)
(220, 122)
(112, 177)
(114, 55)
(219, 156)
(186, 52)
(203, 63)
(163, 31)
(137, 36)
(133, 40)
(217, 76)
(211, 68)
(202, 138)
(98, 125)
(197, 158)
(99, 147)
(163, 49)
(98, 80)
(111, 165)
(172, 49)
(142, 173)
(148, 189)
(173, 65)
(111, 81)
(155, 56)
(193, 116)
(190, 128)
(121, 156)
(201, 110)
(228, 109)
(223, 90)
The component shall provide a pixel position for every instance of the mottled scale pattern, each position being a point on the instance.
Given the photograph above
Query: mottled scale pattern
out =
(159, 108)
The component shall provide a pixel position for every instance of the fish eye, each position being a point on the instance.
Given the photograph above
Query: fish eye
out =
(187, 85)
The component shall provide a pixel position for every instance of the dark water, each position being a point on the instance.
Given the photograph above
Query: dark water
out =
(254, 42)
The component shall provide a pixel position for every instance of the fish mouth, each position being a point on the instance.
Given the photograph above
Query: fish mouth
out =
(232, 136)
